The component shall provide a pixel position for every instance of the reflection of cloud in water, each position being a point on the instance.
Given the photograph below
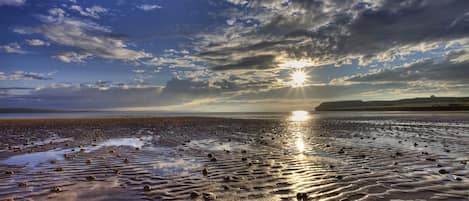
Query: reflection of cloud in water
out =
(169, 166)
(215, 145)
(34, 159)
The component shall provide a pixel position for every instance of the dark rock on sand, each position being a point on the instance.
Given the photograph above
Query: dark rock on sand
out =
(56, 189)
(209, 196)
(443, 171)
(146, 188)
(9, 172)
(90, 178)
(205, 171)
(22, 184)
(59, 169)
(195, 194)
(302, 196)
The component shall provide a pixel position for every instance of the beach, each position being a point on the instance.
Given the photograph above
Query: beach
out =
(299, 156)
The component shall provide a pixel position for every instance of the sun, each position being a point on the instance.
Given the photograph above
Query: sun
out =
(298, 78)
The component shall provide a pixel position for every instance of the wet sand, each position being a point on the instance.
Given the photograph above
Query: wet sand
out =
(184, 158)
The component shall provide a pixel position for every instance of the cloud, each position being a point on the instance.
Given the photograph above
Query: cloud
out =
(36, 42)
(22, 75)
(93, 12)
(72, 57)
(85, 36)
(254, 62)
(12, 48)
(148, 7)
(448, 69)
(333, 32)
(12, 2)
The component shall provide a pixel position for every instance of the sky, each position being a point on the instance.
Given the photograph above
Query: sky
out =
(229, 55)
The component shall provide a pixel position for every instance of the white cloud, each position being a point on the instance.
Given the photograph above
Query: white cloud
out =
(36, 42)
(22, 75)
(89, 38)
(148, 7)
(93, 12)
(12, 2)
(72, 57)
(12, 48)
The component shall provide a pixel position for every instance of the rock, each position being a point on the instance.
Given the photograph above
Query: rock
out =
(59, 169)
(443, 171)
(195, 194)
(225, 187)
(213, 159)
(227, 178)
(89, 161)
(244, 159)
(339, 177)
(56, 189)
(302, 196)
(205, 171)
(91, 178)
(22, 184)
(210, 155)
(126, 160)
(9, 172)
(209, 196)
(117, 171)
(146, 188)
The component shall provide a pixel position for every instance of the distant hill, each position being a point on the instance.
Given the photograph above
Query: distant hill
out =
(31, 110)
(414, 104)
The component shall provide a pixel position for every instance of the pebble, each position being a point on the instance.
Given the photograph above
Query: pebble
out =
(195, 194)
(90, 178)
(22, 184)
(443, 171)
(302, 196)
(59, 169)
(147, 188)
(209, 196)
(56, 189)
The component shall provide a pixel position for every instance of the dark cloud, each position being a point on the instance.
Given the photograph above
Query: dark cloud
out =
(254, 62)
(447, 69)
(329, 31)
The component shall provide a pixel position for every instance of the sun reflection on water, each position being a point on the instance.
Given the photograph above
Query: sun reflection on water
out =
(299, 115)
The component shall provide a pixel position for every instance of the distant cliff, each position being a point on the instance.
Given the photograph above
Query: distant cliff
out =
(414, 104)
